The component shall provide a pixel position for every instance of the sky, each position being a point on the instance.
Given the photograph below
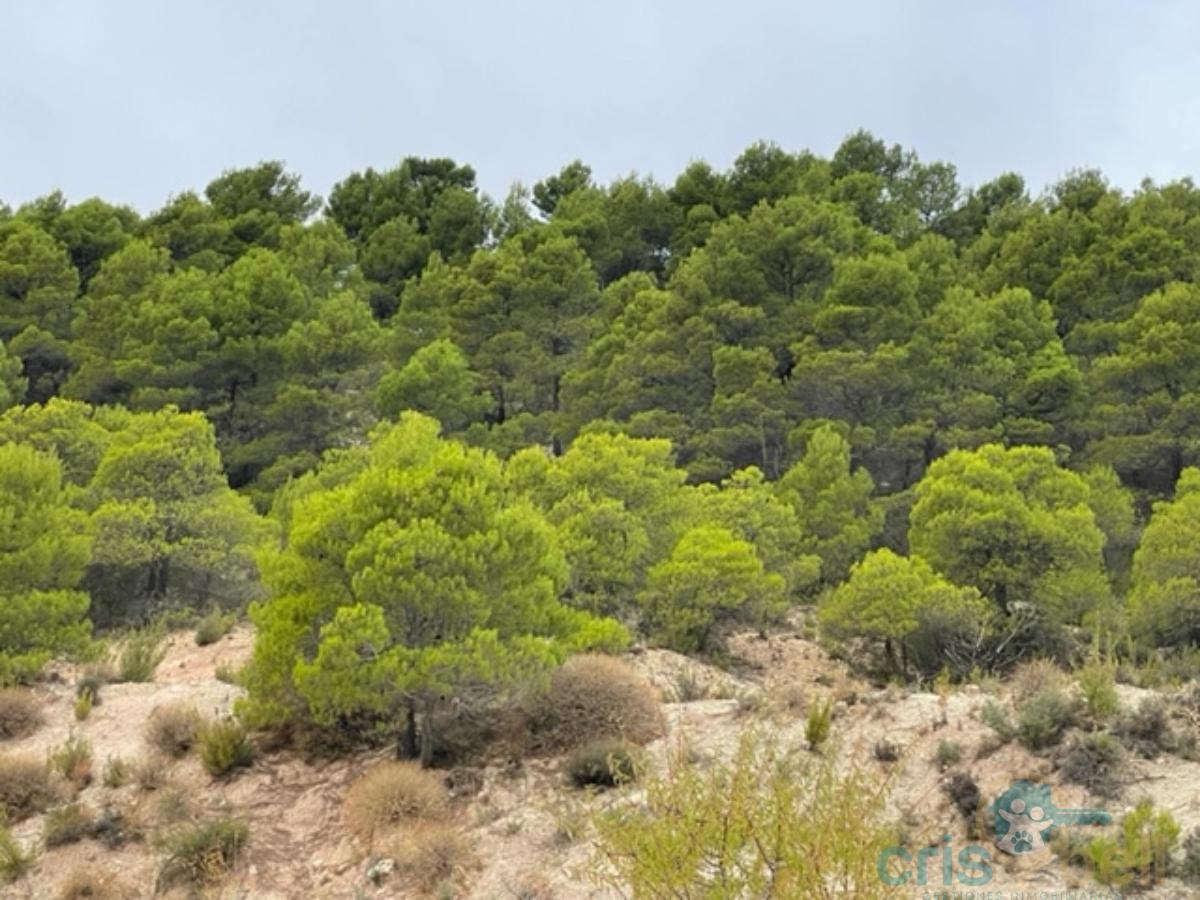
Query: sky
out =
(136, 101)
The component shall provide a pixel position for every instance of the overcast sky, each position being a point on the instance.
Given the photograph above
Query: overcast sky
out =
(134, 101)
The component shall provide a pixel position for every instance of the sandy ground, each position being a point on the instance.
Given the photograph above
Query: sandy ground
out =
(517, 821)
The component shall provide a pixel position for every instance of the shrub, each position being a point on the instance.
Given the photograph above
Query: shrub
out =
(1189, 866)
(391, 793)
(83, 706)
(14, 859)
(87, 884)
(1043, 718)
(963, 793)
(948, 753)
(592, 697)
(173, 729)
(818, 724)
(114, 829)
(1146, 730)
(205, 853)
(151, 773)
(140, 655)
(66, 825)
(429, 854)
(1094, 761)
(1147, 839)
(25, 786)
(603, 763)
(996, 717)
(1098, 685)
(224, 747)
(117, 772)
(789, 820)
(1034, 676)
(73, 760)
(214, 626)
(885, 751)
(19, 713)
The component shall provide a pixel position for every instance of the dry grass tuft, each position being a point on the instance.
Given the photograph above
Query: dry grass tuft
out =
(19, 713)
(392, 793)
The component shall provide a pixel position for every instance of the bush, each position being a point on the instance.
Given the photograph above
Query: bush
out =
(73, 761)
(86, 884)
(1094, 761)
(205, 853)
(886, 752)
(1043, 718)
(25, 786)
(963, 793)
(214, 626)
(1098, 685)
(117, 772)
(1189, 866)
(151, 773)
(83, 707)
(430, 854)
(19, 713)
(1034, 676)
(1147, 730)
(392, 793)
(66, 825)
(789, 820)
(603, 763)
(224, 747)
(140, 655)
(818, 724)
(949, 753)
(173, 729)
(593, 697)
(996, 717)
(14, 860)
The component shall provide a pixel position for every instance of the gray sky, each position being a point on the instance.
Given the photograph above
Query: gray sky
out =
(134, 101)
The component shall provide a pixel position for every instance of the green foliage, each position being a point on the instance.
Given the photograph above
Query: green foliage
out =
(46, 549)
(1140, 855)
(711, 578)
(763, 822)
(948, 753)
(66, 825)
(1016, 526)
(72, 760)
(15, 860)
(1042, 719)
(421, 574)
(607, 762)
(1097, 683)
(832, 502)
(139, 655)
(224, 747)
(818, 724)
(996, 717)
(203, 854)
(213, 626)
(1164, 603)
(902, 605)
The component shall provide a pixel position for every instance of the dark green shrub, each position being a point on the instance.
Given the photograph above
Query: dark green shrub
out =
(963, 793)
(1094, 761)
(1044, 717)
(1146, 731)
(214, 626)
(603, 763)
(887, 752)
